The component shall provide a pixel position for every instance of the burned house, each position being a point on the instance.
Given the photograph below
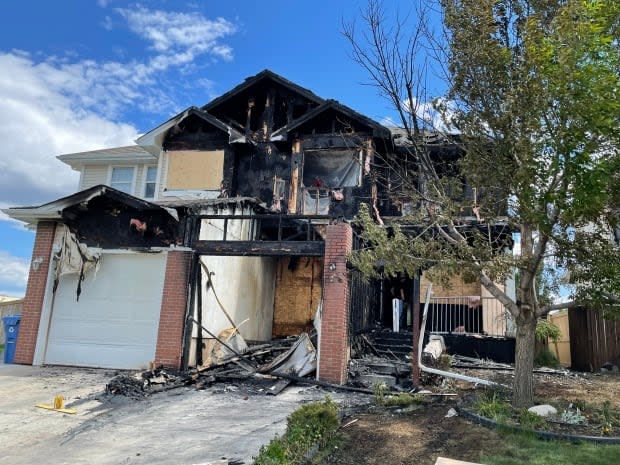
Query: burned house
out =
(231, 215)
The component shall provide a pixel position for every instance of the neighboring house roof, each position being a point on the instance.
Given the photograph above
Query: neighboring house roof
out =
(152, 141)
(377, 129)
(401, 137)
(52, 211)
(116, 154)
(253, 80)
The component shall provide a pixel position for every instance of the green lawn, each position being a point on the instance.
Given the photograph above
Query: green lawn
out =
(521, 449)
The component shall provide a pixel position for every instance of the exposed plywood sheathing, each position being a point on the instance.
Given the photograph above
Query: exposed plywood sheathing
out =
(297, 295)
(195, 169)
(457, 288)
(493, 313)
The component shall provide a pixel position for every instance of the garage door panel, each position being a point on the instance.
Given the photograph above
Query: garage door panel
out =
(84, 354)
(115, 322)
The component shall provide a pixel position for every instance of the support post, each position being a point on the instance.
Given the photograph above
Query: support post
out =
(334, 349)
(415, 308)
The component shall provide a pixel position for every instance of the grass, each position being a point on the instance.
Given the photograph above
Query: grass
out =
(403, 399)
(524, 449)
(492, 405)
(310, 427)
(383, 398)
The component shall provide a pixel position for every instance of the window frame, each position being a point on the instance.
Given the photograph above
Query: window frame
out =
(146, 181)
(134, 169)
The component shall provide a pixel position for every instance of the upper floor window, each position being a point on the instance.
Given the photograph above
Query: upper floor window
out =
(122, 178)
(150, 180)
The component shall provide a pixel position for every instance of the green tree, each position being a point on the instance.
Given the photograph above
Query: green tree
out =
(534, 96)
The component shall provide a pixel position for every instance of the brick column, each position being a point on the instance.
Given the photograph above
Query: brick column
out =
(35, 293)
(334, 343)
(173, 305)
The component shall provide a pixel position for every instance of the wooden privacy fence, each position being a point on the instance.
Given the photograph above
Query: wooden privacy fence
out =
(561, 348)
(594, 341)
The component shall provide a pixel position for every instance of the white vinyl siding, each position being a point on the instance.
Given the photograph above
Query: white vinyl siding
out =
(93, 175)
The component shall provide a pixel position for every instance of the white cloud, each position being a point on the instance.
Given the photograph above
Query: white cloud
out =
(107, 23)
(63, 105)
(41, 117)
(69, 104)
(437, 115)
(180, 36)
(13, 273)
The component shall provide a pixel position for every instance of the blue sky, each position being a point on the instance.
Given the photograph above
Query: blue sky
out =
(80, 75)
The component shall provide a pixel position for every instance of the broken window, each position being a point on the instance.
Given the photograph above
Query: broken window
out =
(279, 187)
(195, 169)
(316, 201)
(122, 178)
(332, 168)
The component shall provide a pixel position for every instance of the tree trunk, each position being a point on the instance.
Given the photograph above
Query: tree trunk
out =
(523, 390)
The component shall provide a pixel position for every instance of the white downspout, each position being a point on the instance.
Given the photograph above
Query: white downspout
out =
(435, 371)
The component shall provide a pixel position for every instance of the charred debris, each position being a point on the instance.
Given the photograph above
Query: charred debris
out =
(260, 368)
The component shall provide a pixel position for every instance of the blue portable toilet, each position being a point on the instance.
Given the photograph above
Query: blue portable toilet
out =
(11, 331)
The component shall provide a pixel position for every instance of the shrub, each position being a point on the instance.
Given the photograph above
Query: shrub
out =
(547, 330)
(530, 420)
(312, 425)
(546, 358)
(573, 417)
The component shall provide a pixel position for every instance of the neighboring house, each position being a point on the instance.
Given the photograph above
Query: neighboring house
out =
(234, 213)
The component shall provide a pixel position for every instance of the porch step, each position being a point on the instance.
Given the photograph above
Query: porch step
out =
(391, 344)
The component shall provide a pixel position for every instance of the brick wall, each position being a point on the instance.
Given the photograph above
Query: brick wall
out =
(35, 292)
(173, 305)
(334, 344)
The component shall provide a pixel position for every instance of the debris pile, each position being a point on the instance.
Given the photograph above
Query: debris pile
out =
(127, 386)
(273, 365)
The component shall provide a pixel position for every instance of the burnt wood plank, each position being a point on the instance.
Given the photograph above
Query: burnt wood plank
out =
(261, 248)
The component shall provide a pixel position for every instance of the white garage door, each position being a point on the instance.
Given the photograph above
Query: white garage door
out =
(115, 322)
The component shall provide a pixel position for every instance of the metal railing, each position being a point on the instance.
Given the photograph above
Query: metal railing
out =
(468, 315)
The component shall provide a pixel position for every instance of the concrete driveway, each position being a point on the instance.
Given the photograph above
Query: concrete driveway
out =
(183, 426)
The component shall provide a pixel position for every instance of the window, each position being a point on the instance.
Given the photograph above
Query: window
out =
(150, 181)
(332, 168)
(122, 178)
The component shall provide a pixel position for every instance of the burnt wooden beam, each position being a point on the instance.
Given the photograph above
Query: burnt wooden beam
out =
(261, 248)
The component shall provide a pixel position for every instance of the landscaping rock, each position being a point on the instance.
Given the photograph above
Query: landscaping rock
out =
(543, 410)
